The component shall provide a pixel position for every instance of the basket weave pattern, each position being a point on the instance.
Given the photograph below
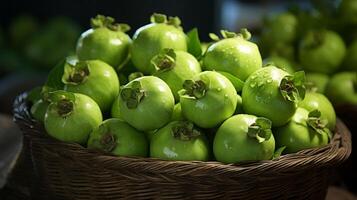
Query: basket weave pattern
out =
(69, 171)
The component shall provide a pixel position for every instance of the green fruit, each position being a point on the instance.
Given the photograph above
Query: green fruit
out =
(350, 61)
(38, 110)
(281, 27)
(105, 41)
(21, 30)
(208, 99)
(272, 93)
(244, 138)
(117, 137)
(233, 54)
(53, 42)
(321, 51)
(348, 12)
(94, 78)
(341, 89)
(174, 67)
(304, 131)
(71, 117)
(316, 101)
(146, 103)
(280, 62)
(115, 111)
(150, 39)
(316, 82)
(179, 140)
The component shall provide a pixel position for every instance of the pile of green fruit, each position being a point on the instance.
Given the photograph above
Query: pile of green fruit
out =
(179, 103)
(322, 42)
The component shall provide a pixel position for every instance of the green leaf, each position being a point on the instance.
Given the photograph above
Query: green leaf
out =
(237, 83)
(54, 79)
(194, 43)
(278, 152)
(34, 95)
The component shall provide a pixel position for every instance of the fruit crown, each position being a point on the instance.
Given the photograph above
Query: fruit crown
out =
(185, 131)
(165, 60)
(162, 19)
(260, 129)
(244, 33)
(107, 140)
(76, 74)
(133, 95)
(101, 21)
(314, 39)
(292, 87)
(63, 101)
(195, 89)
(319, 125)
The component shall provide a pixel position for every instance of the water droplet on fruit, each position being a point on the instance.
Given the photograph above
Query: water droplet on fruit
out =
(269, 80)
(260, 83)
(226, 96)
(219, 89)
(252, 84)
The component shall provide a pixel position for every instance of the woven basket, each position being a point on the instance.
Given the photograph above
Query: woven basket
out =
(69, 171)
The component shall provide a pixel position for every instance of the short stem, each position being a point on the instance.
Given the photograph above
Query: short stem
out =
(185, 131)
(195, 89)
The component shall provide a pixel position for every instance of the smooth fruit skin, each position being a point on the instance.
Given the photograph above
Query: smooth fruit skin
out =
(347, 10)
(155, 109)
(318, 80)
(215, 106)
(186, 67)
(296, 135)
(38, 110)
(77, 126)
(128, 140)
(102, 84)
(325, 56)
(280, 62)
(165, 146)
(316, 101)
(234, 55)
(261, 96)
(150, 39)
(341, 88)
(232, 143)
(104, 44)
(115, 111)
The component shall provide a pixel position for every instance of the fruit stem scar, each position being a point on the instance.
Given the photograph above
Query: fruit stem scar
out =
(64, 107)
(260, 130)
(164, 60)
(133, 95)
(185, 131)
(108, 141)
(195, 89)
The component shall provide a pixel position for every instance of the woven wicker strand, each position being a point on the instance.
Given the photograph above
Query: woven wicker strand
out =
(69, 171)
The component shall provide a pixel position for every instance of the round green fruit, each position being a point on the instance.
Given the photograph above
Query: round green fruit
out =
(117, 137)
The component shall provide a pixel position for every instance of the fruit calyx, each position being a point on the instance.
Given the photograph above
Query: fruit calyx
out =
(162, 19)
(76, 74)
(244, 33)
(105, 21)
(196, 89)
(292, 87)
(165, 60)
(185, 131)
(133, 95)
(64, 102)
(260, 129)
(316, 123)
(315, 39)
